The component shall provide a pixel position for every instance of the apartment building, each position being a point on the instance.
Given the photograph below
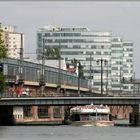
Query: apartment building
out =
(13, 40)
(106, 59)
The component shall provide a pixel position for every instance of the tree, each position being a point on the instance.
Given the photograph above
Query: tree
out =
(52, 53)
(75, 62)
(3, 54)
(3, 49)
(2, 83)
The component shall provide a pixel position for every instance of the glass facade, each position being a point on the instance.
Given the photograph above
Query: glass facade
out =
(127, 63)
(90, 47)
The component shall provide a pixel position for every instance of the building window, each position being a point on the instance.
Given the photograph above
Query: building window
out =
(97, 83)
(102, 47)
(46, 34)
(128, 44)
(98, 53)
(48, 40)
(125, 87)
(93, 47)
(39, 36)
(114, 68)
(43, 111)
(76, 46)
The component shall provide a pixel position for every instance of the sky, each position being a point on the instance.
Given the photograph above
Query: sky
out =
(122, 18)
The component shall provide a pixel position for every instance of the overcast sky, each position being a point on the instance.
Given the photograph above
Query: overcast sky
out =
(121, 18)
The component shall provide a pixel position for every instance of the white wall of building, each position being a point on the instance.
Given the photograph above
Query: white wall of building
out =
(13, 41)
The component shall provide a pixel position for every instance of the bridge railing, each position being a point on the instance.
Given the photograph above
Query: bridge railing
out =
(31, 72)
(51, 93)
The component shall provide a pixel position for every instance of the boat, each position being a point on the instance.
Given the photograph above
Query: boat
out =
(91, 115)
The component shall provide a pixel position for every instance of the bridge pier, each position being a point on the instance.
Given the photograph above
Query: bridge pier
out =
(6, 115)
(134, 118)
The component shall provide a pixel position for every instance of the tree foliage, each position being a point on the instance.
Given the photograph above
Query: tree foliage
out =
(3, 54)
(75, 62)
(52, 53)
(3, 49)
(2, 83)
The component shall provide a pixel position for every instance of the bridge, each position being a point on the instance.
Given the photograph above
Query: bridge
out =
(69, 101)
(55, 79)
(7, 104)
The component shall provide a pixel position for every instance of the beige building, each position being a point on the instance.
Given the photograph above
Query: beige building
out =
(13, 40)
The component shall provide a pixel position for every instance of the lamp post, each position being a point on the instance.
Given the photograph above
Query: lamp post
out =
(134, 83)
(42, 80)
(107, 77)
(101, 61)
(90, 86)
(20, 79)
(120, 80)
(59, 70)
(78, 65)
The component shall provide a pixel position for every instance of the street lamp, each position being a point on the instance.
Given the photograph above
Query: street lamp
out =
(101, 62)
(90, 83)
(134, 83)
(42, 80)
(78, 66)
(121, 79)
(106, 77)
(59, 69)
(21, 62)
(20, 79)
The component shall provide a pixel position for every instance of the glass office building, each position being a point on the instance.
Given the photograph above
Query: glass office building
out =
(106, 59)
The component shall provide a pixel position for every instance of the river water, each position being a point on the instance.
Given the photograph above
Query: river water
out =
(65, 132)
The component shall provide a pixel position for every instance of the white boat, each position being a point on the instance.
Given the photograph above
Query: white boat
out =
(91, 115)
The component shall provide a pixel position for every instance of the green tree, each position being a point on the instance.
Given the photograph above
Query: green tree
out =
(2, 83)
(3, 54)
(75, 62)
(3, 49)
(52, 53)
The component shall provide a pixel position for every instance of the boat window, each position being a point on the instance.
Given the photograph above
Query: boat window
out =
(75, 117)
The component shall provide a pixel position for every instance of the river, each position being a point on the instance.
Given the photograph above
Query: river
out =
(64, 132)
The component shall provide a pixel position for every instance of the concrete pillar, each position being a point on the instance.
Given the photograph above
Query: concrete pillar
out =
(35, 112)
(62, 112)
(51, 112)
(135, 116)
